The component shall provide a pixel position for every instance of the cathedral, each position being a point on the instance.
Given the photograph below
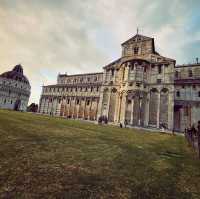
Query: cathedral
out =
(141, 88)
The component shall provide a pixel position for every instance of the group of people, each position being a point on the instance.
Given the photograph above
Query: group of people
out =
(103, 120)
(125, 123)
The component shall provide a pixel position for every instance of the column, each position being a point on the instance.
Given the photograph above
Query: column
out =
(123, 108)
(146, 121)
(73, 116)
(84, 108)
(108, 104)
(158, 111)
(97, 102)
(100, 103)
(171, 110)
(116, 117)
(119, 108)
(132, 110)
(126, 73)
(140, 106)
(47, 112)
(58, 106)
(53, 109)
(89, 113)
(63, 104)
(68, 106)
(114, 77)
(78, 109)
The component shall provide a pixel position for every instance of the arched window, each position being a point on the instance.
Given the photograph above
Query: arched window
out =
(176, 74)
(178, 93)
(136, 50)
(190, 73)
(112, 72)
(159, 69)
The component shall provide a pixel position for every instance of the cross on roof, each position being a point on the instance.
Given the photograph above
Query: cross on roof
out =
(137, 30)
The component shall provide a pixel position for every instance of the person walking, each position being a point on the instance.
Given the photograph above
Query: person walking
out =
(193, 134)
(125, 123)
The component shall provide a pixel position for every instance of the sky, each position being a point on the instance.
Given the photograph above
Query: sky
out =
(48, 37)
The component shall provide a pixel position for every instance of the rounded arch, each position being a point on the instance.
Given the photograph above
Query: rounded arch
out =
(113, 90)
(153, 106)
(105, 90)
(164, 103)
(154, 90)
(130, 60)
(164, 90)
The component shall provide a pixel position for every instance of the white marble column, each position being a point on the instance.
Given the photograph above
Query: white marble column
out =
(117, 106)
(97, 101)
(89, 111)
(77, 112)
(132, 110)
(146, 122)
(123, 108)
(84, 107)
(100, 104)
(140, 109)
(158, 111)
(68, 106)
(171, 110)
(73, 112)
(108, 104)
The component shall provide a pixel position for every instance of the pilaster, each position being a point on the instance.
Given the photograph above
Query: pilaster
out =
(132, 110)
(158, 111)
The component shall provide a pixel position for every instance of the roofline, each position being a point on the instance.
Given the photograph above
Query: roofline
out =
(113, 62)
(83, 74)
(187, 65)
(134, 36)
(73, 85)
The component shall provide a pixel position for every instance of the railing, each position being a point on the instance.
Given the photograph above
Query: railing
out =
(193, 140)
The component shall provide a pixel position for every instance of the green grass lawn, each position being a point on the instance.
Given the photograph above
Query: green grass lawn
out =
(43, 157)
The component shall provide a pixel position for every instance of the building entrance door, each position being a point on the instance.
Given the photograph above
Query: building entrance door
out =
(17, 105)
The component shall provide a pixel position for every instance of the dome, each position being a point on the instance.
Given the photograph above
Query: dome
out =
(16, 74)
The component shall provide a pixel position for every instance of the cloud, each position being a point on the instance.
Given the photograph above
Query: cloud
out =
(74, 36)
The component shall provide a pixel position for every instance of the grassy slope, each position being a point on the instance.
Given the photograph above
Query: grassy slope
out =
(56, 158)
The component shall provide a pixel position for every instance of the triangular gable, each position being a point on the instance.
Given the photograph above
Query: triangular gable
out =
(136, 38)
